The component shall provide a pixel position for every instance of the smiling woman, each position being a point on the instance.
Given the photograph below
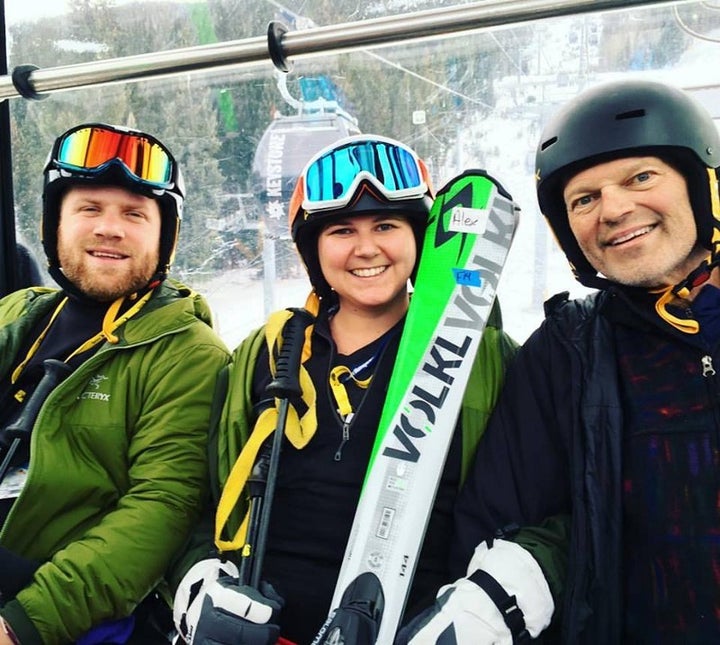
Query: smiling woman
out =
(358, 215)
(367, 260)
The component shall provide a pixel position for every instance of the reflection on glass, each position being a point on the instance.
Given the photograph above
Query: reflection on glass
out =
(466, 100)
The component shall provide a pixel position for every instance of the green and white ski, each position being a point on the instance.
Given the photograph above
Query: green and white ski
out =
(471, 227)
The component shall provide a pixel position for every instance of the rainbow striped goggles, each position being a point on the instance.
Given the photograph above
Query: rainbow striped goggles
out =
(90, 149)
(332, 177)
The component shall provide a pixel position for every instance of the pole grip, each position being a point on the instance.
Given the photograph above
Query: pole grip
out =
(55, 372)
(287, 375)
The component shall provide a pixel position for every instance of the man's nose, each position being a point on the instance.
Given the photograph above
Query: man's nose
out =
(109, 224)
(615, 203)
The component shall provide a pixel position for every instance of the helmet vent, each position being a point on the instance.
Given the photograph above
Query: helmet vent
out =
(632, 114)
(546, 144)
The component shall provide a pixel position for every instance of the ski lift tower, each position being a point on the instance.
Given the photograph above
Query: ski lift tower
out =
(286, 146)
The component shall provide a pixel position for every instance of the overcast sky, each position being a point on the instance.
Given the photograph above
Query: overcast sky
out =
(18, 10)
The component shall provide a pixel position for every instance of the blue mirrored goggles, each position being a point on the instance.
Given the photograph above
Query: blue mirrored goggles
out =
(332, 178)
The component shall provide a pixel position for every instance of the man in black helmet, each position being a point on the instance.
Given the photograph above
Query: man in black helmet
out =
(594, 495)
(103, 427)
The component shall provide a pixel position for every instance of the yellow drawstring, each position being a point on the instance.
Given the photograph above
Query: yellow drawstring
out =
(109, 325)
(686, 325)
(339, 391)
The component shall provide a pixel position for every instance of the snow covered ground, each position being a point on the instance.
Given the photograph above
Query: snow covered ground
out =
(238, 301)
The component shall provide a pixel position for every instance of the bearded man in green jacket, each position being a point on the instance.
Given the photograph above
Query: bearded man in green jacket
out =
(105, 392)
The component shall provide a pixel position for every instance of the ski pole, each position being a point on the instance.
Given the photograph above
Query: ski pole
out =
(257, 483)
(285, 384)
(55, 373)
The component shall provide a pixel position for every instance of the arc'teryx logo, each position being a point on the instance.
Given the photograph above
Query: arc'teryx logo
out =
(94, 386)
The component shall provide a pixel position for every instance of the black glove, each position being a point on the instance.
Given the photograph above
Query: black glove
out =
(17, 572)
(357, 620)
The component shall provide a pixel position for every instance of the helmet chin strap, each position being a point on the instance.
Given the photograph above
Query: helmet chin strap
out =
(695, 279)
(700, 275)
(667, 295)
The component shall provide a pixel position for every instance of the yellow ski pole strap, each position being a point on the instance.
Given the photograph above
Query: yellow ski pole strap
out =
(299, 429)
(235, 484)
(300, 425)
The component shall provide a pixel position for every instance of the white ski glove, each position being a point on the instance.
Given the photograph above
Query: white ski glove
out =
(466, 612)
(211, 608)
(192, 588)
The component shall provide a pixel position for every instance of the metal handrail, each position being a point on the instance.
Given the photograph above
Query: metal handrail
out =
(34, 83)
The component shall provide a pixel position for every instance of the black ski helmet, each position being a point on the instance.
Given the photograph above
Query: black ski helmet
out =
(368, 196)
(121, 157)
(626, 119)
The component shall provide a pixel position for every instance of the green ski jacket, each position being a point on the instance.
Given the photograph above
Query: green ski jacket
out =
(118, 465)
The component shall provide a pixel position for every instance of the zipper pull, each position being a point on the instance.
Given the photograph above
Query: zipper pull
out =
(345, 435)
(707, 366)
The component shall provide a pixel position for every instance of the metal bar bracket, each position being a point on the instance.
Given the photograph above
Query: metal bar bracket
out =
(276, 31)
(22, 83)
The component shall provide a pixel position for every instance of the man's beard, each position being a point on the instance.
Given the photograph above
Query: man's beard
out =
(105, 287)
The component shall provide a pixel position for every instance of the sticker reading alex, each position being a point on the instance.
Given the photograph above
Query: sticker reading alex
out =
(468, 220)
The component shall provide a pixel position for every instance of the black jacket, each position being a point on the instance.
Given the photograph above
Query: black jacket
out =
(551, 460)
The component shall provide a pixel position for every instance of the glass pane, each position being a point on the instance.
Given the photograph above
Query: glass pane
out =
(466, 100)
